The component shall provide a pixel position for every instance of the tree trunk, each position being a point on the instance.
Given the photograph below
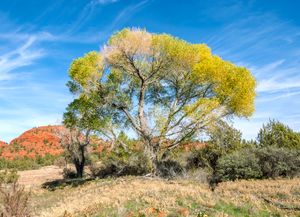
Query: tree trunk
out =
(79, 169)
(154, 161)
(80, 163)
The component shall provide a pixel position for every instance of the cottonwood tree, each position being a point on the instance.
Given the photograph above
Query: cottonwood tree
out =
(163, 88)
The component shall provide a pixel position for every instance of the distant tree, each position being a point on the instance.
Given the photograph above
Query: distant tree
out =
(164, 89)
(277, 134)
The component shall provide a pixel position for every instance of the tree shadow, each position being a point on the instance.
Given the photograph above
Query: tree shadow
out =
(62, 183)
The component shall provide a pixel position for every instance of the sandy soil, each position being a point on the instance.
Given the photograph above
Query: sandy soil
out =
(35, 178)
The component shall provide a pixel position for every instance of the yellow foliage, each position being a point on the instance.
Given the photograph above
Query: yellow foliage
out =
(135, 54)
(87, 69)
(233, 85)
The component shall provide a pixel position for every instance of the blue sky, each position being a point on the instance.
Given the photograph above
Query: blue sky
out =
(39, 39)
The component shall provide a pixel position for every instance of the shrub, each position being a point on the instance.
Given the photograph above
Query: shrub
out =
(14, 197)
(116, 165)
(275, 162)
(257, 163)
(224, 139)
(27, 163)
(241, 164)
(206, 157)
(69, 173)
(8, 176)
(169, 169)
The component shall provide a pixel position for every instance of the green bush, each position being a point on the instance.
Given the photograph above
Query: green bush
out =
(241, 164)
(206, 157)
(259, 163)
(26, 163)
(224, 139)
(278, 162)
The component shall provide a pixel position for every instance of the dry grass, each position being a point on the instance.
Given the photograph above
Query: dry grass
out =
(132, 196)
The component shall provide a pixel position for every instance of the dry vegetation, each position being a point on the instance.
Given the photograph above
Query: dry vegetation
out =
(132, 196)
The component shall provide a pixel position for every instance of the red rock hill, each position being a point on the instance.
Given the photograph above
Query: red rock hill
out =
(40, 141)
(2, 144)
(37, 141)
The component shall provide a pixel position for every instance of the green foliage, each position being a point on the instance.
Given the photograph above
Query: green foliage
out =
(276, 162)
(258, 163)
(277, 134)
(116, 165)
(241, 164)
(26, 163)
(224, 139)
(120, 162)
(169, 169)
(158, 86)
(86, 70)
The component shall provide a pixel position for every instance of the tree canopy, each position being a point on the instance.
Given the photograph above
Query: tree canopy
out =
(164, 89)
(275, 133)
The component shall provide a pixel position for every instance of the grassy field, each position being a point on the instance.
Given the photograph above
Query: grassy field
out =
(139, 196)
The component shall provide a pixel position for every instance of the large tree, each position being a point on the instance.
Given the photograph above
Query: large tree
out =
(164, 89)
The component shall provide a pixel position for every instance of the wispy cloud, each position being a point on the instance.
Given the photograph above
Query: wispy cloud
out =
(104, 2)
(21, 56)
(27, 99)
(277, 96)
(270, 48)
(127, 12)
(273, 84)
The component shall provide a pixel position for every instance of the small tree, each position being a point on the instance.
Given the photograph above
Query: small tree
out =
(277, 134)
(75, 143)
(164, 89)
(80, 121)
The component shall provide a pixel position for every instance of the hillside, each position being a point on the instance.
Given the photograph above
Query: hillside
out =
(2, 143)
(140, 196)
(43, 140)
(37, 141)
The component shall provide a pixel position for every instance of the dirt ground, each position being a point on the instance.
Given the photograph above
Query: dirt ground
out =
(35, 178)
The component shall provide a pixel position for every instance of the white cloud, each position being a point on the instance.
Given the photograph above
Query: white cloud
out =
(21, 56)
(271, 85)
(104, 2)
(278, 97)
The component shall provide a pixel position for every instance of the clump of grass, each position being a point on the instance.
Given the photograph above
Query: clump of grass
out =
(14, 197)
